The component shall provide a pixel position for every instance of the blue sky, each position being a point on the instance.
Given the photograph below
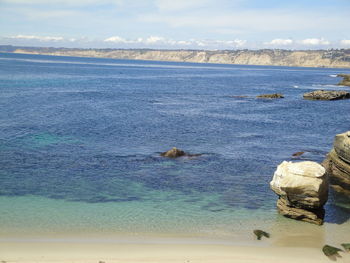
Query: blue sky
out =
(173, 24)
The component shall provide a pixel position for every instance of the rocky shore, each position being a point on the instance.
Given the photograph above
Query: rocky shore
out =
(327, 95)
(337, 164)
(345, 81)
(302, 187)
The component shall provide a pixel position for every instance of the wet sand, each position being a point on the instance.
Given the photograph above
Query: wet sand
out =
(159, 250)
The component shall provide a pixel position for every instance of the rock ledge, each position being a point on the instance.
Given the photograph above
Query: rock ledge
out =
(270, 96)
(337, 164)
(327, 95)
(345, 81)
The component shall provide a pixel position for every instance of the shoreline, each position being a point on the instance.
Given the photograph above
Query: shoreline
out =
(41, 227)
(293, 233)
(296, 241)
(224, 57)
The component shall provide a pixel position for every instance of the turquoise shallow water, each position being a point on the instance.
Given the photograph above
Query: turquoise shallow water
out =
(46, 216)
(80, 140)
(37, 219)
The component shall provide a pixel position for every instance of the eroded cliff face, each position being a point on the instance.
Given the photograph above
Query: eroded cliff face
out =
(307, 58)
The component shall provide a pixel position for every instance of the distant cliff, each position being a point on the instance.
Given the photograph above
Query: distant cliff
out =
(272, 57)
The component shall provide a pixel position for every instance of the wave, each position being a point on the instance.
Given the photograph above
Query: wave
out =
(333, 75)
(327, 87)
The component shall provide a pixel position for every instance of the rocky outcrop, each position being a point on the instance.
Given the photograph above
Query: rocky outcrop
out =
(271, 96)
(302, 188)
(337, 163)
(173, 153)
(327, 95)
(314, 216)
(345, 81)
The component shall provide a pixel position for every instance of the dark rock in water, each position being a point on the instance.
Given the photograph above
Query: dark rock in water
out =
(308, 155)
(346, 246)
(337, 164)
(330, 251)
(298, 154)
(173, 153)
(327, 95)
(345, 81)
(271, 96)
(259, 234)
(239, 97)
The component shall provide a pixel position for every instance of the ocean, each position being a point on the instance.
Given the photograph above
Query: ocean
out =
(80, 144)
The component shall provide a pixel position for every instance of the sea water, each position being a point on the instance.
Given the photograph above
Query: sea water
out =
(80, 144)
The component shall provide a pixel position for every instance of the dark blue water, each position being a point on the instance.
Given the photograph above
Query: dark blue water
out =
(90, 130)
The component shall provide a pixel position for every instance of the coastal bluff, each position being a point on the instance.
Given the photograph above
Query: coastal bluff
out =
(267, 57)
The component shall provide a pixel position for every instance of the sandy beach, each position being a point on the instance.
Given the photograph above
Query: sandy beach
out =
(116, 252)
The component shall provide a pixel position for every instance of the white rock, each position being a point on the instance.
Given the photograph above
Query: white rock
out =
(304, 184)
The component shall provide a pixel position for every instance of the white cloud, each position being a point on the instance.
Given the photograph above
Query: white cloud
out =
(39, 38)
(280, 42)
(220, 43)
(157, 41)
(315, 42)
(116, 39)
(184, 43)
(152, 40)
(345, 42)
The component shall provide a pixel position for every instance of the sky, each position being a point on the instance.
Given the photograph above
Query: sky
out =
(176, 24)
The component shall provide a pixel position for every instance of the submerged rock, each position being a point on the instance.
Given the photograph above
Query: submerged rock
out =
(346, 246)
(337, 164)
(297, 154)
(327, 95)
(173, 153)
(345, 81)
(271, 96)
(239, 96)
(259, 234)
(302, 188)
(330, 251)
